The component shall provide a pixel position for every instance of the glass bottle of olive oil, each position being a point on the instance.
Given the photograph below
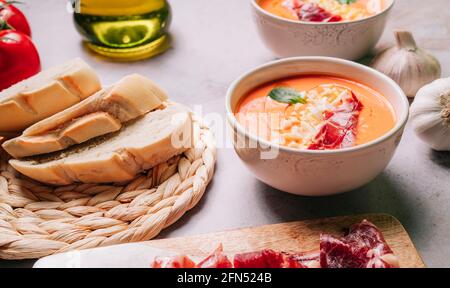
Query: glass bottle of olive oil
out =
(124, 29)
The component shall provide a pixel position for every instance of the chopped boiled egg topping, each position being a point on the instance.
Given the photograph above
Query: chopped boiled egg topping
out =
(324, 119)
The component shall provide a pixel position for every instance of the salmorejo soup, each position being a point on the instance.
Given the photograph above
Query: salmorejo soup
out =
(316, 112)
(324, 10)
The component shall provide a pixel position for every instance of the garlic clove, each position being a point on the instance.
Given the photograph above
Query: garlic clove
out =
(430, 114)
(407, 64)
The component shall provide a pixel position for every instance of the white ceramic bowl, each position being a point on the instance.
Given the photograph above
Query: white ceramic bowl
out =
(316, 173)
(350, 40)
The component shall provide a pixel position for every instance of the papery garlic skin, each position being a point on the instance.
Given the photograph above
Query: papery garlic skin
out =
(408, 65)
(430, 114)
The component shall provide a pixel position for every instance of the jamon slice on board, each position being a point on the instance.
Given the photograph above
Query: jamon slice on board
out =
(216, 260)
(267, 259)
(173, 262)
(363, 247)
(339, 130)
(262, 259)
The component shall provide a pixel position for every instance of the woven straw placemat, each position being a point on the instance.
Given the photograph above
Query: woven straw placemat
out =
(38, 220)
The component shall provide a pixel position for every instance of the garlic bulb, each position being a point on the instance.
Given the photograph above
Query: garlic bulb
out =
(430, 114)
(408, 65)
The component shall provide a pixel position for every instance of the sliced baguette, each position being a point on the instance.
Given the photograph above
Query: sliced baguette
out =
(45, 94)
(98, 115)
(140, 145)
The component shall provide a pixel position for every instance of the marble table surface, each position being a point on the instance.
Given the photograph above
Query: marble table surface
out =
(214, 42)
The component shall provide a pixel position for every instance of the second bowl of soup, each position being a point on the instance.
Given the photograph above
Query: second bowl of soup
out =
(315, 125)
(344, 29)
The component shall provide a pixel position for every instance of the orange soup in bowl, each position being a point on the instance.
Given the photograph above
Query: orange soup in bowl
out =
(316, 112)
(324, 10)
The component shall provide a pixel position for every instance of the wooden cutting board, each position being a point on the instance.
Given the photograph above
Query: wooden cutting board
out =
(299, 236)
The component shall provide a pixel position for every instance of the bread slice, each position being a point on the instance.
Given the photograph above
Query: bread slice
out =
(45, 94)
(140, 145)
(98, 115)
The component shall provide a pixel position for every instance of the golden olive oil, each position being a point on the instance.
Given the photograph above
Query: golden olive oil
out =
(124, 30)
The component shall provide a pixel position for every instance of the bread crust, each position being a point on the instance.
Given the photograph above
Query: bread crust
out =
(119, 164)
(39, 97)
(97, 115)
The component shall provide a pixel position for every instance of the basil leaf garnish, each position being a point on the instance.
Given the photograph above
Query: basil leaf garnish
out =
(287, 95)
(346, 1)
